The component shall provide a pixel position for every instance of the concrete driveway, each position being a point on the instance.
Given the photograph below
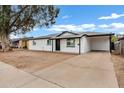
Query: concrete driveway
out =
(94, 69)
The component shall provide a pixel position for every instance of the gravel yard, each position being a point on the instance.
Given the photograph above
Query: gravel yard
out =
(118, 61)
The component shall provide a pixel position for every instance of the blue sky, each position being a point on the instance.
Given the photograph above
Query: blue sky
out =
(86, 18)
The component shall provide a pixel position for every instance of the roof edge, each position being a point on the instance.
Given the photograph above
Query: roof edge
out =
(66, 32)
(110, 34)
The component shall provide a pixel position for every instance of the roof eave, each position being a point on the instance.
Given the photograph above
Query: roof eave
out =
(100, 35)
(39, 38)
(66, 37)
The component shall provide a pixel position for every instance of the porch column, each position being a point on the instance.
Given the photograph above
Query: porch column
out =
(79, 45)
(52, 45)
(110, 43)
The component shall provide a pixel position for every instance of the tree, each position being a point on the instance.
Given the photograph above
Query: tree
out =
(114, 38)
(23, 18)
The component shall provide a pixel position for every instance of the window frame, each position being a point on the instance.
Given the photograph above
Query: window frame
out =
(49, 42)
(69, 41)
(34, 43)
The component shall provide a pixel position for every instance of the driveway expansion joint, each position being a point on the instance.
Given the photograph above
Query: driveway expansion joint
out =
(47, 80)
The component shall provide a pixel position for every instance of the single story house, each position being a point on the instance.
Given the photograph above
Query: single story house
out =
(72, 42)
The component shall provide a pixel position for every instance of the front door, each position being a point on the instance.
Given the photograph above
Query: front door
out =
(58, 44)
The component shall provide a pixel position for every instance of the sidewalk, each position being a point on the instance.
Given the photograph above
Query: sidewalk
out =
(12, 77)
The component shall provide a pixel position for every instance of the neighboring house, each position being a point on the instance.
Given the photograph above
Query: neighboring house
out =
(23, 43)
(20, 43)
(14, 43)
(71, 42)
(121, 45)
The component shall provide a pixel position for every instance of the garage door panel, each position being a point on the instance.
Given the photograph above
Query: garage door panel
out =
(100, 43)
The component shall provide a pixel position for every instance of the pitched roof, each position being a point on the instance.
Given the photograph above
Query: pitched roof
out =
(47, 36)
(94, 33)
(74, 35)
(67, 32)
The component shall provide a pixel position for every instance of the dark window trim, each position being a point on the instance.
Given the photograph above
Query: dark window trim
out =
(70, 46)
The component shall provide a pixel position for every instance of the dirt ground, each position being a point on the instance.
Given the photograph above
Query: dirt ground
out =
(31, 61)
(119, 68)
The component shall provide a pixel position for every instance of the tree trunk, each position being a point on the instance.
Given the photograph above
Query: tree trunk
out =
(5, 43)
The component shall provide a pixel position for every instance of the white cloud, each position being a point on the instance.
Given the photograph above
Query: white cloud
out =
(113, 26)
(66, 17)
(12, 36)
(87, 26)
(36, 28)
(83, 27)
(112, 16)
(121, 33)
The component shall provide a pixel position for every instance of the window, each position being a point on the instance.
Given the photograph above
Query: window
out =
(70, 42)
(49, 42)
(33, 42)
